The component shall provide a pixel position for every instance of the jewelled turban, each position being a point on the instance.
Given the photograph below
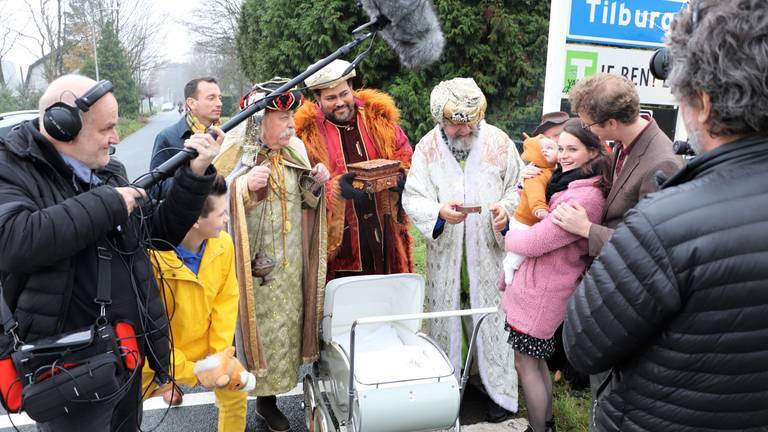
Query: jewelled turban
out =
(458, 101)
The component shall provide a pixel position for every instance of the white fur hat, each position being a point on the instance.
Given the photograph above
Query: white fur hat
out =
(330, 75)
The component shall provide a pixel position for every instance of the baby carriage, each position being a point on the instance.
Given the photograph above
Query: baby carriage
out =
(376, 372)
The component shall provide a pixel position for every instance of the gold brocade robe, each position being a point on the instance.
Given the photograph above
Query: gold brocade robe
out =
(279, 323)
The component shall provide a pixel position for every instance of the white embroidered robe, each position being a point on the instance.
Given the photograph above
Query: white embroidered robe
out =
(490, 176)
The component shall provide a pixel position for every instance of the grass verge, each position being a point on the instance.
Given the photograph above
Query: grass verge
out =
(127, 125)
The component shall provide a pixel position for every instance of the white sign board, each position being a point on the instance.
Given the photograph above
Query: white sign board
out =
(585, 60)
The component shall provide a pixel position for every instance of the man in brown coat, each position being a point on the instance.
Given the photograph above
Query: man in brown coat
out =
(609, 106)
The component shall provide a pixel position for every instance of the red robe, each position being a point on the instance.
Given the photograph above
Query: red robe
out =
(377, 118)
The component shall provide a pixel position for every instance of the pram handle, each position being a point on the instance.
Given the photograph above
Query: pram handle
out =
(407, 317)
(423, 315)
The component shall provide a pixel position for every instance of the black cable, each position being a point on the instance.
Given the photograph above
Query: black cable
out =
(147, 327)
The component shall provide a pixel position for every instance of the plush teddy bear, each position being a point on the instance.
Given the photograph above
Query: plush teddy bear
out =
(223, 370)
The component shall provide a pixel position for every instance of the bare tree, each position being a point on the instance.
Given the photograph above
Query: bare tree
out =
(140, 30)
(214, 29)
(137, 25)
(149, 89)
(46, 17)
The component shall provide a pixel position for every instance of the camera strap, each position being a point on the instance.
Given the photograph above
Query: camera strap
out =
(104, 279)
(59, 374)
(8, 322)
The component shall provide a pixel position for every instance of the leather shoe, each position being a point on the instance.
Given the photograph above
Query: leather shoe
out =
(550, 424)
(172, 395)
(266, 408)
(495, 413)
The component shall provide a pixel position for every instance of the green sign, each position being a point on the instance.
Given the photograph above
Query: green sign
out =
(578, 64)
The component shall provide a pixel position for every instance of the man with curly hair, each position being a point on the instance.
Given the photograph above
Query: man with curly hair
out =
(676, 303)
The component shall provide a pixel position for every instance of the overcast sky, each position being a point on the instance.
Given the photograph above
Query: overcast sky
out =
(175, 43)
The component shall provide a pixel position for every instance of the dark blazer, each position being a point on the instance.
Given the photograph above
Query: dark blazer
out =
(167, 143)
(652, 152)
(677, 303)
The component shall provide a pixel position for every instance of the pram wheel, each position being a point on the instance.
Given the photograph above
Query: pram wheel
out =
(310, 400)
(320, 420)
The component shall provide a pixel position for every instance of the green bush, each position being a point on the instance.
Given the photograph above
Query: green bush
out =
(8, 102)
(501, 44)
(229, 105)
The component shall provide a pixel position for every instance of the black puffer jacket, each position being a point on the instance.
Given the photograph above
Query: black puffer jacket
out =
(49, 225)
(677, 303)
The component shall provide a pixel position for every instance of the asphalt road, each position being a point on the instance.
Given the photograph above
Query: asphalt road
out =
(198, 412)
(135, 150)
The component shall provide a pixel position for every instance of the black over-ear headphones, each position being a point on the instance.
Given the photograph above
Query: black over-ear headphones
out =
(63, 122)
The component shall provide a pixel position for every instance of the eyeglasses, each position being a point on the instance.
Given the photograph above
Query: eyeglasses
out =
(588, 126)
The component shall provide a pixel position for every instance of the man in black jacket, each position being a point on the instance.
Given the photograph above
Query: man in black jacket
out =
(677, 302)
(61, 196)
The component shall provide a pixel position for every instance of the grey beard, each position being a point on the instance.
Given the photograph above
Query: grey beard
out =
(694, 142)
(464, 143)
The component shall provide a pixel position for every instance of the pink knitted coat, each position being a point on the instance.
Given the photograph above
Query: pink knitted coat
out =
(555, 259)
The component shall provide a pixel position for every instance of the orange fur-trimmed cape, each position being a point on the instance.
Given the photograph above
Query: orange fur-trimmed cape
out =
(377, 118)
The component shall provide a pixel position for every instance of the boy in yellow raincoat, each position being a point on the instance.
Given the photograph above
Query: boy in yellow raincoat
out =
(201, 294)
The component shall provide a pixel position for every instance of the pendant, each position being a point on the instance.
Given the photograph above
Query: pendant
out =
(286, 227)
(261, 266)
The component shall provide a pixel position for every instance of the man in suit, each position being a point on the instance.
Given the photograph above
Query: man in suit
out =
(203, 100)
(608, 105)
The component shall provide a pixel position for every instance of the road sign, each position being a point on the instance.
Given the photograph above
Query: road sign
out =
(585, 60)
(641, 23)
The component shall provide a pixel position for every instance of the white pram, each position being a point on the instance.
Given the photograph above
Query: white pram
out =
(374, 360)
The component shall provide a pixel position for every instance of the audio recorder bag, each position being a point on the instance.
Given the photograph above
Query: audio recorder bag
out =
(62, 374)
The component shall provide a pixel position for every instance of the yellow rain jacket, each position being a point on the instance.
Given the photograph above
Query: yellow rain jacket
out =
(202, 307)
(203, 311)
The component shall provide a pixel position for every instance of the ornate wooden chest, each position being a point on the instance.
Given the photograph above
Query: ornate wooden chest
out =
(375, 175)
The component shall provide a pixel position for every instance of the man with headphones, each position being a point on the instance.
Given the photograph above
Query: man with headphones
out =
(68, 217)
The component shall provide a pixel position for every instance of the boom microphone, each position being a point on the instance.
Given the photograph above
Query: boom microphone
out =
(413, 32)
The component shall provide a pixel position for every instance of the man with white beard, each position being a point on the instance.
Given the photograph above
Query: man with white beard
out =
(460, 194)
(278, 224)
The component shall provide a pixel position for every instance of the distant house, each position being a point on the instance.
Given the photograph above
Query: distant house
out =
(11, 74)
(36, 75)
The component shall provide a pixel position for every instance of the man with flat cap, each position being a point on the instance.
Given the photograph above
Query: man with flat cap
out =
(278, 226)
(367, 233)
(465, 162)
(551, 124)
